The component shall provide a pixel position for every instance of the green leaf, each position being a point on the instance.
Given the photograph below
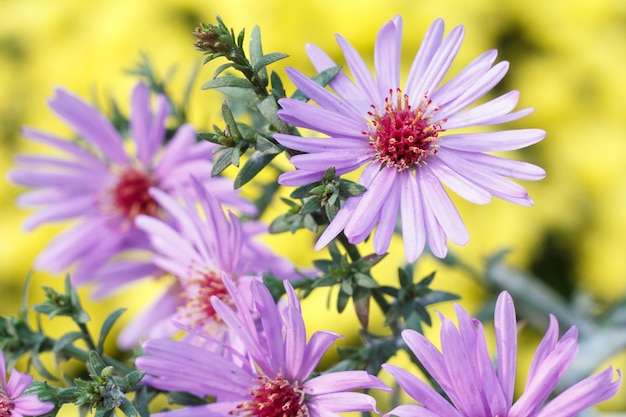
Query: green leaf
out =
(227, 81)
(363, 280)
(66, 340)
(361, 299)
(233, 130)
(128, 408)
(260, 158)
(106, 327)
(141, 402)
(342, 300)
(312, 205)
(350, 189)
(39, 366)
(256, 55)
(268, 59)
(278, 90)
(322, 78)
(184, 398)
(222, 162)
(268, 108)
(222, 68)
(95, 365)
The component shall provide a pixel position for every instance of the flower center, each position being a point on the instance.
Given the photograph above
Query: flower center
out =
(6, 405)
(197, 293)
(275, 398)
(130, 195)
(403, 137)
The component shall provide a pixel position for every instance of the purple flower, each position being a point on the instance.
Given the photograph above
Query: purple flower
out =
(404, 139)
(12, 402)
(466, 374)
(103, 184)
(268, 373)
(196, 244)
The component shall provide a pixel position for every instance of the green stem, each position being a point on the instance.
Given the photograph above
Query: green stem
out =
(83, 355)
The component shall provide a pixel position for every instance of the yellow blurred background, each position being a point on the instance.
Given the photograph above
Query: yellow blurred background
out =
(568, 60)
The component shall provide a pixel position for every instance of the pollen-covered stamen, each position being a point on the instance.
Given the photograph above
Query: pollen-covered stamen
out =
(196, 295)
(6, 406)
(129, 196)
(276, 397)
(403, 137)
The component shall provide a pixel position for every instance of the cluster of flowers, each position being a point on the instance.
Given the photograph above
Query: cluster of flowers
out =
(246, 352)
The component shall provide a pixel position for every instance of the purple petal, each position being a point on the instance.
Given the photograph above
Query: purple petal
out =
(475, 91)
(341, 84)
(318, 344)
(547, 344)
(503, 140)
(344, 402)
(410, 410)
(339, 159)
(373, 199)
(438, 65)
(435, 196)
(492, 112)
(586, 393)
(421, 392)
(506, 344)
(90, 124)
(412, 214)
(360, 72)
(312, 144)
(429, 356)
(470, 74)
(62, 210)
(317, 118)
(508, 167)
(29, 405)
(18, 382)
(140, 122)
(342, 381)
(320, 95)
(71, 148)
(176, 150)
(428, 48)
(387, 57)
(387, 222)
(458, 183)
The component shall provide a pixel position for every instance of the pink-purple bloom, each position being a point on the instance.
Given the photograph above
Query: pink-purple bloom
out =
(267, 373)
(197, 244)
(465, 372)
(12, 401)
(404, 138)
(101, 181)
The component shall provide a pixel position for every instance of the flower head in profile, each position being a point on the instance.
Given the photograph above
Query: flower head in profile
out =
(12, 402)
(103, 184)
(466, 373)
(267, 374)
(404, 137)
(197, 244)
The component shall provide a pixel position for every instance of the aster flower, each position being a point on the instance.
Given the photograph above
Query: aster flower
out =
(103, 184)
(12, 402)
(196, 244)
(269, 376)
(404, 138)
(466, 374)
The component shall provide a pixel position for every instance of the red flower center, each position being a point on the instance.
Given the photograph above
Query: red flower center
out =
(403, 137)
(6, 405)
(275, 398)
(130, 195)
(197, 295)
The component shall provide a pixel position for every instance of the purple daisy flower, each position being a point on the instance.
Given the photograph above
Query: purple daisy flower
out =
(270, 375)
(12, 402)
(403, 139)
(196, 244)
(466, 374)
(103, 185)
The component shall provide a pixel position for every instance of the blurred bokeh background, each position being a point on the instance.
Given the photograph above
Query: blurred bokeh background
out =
(568, 59)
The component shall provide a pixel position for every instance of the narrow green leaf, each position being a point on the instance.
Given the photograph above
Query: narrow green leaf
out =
(268, 108)
(222, 162)
(312, 205)
(230, 120)
(361, 300)
(222, 68)
(39, 366)
(128, 408)
(66, 340)
(95, 364)
(260, 158)
(106, 327)
(278, 90)
(141, 402)
(256, 55)
(342, 301)
(268, 59)
(227, 81)
(363, 280)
